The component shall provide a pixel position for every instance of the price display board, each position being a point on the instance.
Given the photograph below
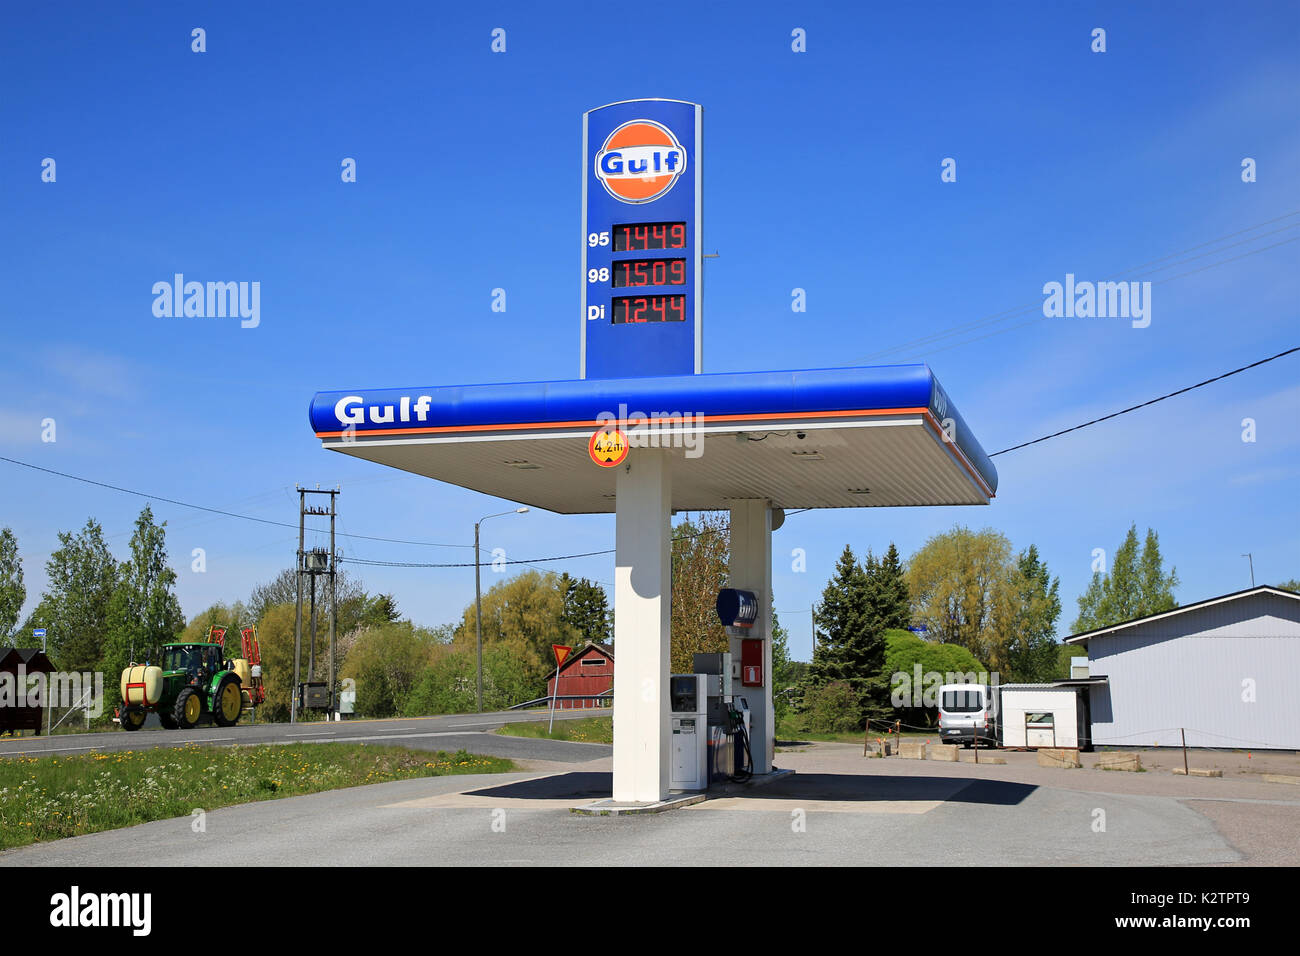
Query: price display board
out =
(641, 253)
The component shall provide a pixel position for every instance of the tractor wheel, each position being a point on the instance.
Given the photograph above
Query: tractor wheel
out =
(132, 717)
(228, 703)
(188, 709)
(166, 719)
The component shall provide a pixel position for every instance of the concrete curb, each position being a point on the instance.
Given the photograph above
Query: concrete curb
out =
(609, 808)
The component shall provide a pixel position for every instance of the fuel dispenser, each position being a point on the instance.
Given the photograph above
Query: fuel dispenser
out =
(688, 696)
(738, 612)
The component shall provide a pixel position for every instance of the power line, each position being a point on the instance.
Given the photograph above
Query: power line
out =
(588, 554)
(215, 511)
(1133, 408)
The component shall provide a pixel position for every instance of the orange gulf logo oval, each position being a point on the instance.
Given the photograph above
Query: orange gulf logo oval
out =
(640, 161)
(607, 447)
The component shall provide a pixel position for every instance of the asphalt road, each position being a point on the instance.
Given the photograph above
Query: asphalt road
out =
(473, 732)
(838, 809)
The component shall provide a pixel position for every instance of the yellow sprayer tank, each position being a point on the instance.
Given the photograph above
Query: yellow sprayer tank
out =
(142, 685)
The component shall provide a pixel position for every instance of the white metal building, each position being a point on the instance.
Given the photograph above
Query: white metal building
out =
(1225, 670)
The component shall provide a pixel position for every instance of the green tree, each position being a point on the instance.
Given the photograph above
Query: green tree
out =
(12, 592)
(786, 673)
(75, 609)
(1064, 653)
(1136, 586)
(849, 644)
(524, 614)
(889, 595)
(387, 662)
(832, 708)
(275, 634)
(1032, 651)
(700, 559)
(144, 612)
(349, 594)
(1292, 585)
(907, 655)
(963, 586)
(586, 609)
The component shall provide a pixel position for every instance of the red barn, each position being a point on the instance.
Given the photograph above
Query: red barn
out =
(587, 673)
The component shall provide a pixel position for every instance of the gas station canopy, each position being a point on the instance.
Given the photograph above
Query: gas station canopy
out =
(820, 438)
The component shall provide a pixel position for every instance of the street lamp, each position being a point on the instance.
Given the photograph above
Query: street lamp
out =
(478, 599)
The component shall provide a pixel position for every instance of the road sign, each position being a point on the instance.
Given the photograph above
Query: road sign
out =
(562, 652)
(38, 631)
(641, 254)
(607, 447)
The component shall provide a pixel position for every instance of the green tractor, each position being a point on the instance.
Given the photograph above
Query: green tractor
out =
(195, 683)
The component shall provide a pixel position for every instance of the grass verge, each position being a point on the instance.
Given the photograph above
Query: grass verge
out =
(590, 730)
(48, 798)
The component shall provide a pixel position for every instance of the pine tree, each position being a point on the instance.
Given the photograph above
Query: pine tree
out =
(894, 599)
(850, 642)
(586, 608)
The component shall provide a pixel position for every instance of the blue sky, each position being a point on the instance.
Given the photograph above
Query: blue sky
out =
(822, 173)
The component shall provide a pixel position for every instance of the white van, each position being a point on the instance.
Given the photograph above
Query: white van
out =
(967, 713)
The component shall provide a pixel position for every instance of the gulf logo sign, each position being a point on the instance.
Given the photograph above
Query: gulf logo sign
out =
(640, 161)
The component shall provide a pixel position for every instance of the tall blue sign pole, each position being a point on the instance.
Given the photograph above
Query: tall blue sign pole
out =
(641, 240)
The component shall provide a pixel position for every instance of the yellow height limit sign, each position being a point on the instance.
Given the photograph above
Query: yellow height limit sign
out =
(608, 447)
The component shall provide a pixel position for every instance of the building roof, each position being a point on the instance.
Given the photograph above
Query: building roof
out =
(604, 649)
(1234, 596)
(32, 659)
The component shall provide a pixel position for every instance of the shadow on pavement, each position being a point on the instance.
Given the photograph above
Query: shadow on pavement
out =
(848, 787)
(578, 784)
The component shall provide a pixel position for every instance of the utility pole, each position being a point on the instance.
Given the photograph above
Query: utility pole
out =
(311, 563)
(297, 610)
(1252, 567)
(333, 563)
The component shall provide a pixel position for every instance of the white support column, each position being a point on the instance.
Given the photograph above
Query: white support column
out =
(642, 592)
(751, 570)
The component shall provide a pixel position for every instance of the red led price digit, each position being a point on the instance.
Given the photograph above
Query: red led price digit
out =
(679, 235)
